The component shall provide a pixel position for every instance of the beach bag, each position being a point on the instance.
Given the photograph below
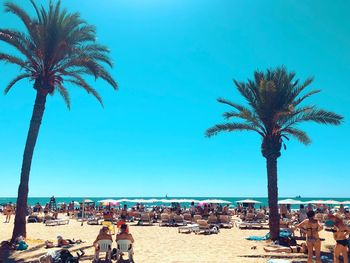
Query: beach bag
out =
(64, 256)
(22, 245)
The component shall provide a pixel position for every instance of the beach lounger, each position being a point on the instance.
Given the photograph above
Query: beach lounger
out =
(188, 228)
(196, 218)
(57, 222)
(145, 220)
(203, 227)
(225, 222)
(137, 215)
(125, 246)
(105, 246)
(93, 221)
(179, 220)
(188, 218)
(213, 220)
(164, 220)
(35, 219)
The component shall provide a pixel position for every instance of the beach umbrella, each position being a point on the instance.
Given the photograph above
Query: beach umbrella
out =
(144, 201)
(216, 201)
(289, 202)
(109, 202)
(345, 203)
(315, 202)
(248, 201)
(76, 203)
(88, 201)
(123, 200)
(332, 202)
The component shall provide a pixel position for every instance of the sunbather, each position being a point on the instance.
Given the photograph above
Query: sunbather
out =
(292, 249)
(124, 235)
(102, 235)
(61, 242)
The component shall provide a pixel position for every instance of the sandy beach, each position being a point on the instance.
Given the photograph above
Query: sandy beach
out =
(157, 244)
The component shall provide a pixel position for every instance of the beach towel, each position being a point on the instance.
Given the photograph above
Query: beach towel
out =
(283, 234)
(258, 238)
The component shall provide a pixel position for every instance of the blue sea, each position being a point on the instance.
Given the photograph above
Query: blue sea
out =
(233, 200)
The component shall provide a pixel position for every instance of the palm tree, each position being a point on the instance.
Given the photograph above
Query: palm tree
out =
(57, 48)
(274, 112)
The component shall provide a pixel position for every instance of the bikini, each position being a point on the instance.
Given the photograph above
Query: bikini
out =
(343, 242)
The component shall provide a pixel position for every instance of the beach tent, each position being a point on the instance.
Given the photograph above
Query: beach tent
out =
(216, 201)
(248, 201)
(289, 202)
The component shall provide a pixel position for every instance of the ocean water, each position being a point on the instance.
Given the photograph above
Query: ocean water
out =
(233, 200)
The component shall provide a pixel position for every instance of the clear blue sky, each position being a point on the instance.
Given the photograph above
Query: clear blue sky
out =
(173, 59)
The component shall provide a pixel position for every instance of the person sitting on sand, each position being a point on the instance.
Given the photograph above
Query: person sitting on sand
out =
(341, 234)
(311, 227)
(302, 248)
(102, 235)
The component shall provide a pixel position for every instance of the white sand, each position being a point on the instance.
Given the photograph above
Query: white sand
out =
(155, 244)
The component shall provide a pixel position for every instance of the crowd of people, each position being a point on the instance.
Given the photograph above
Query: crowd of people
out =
(307, 220)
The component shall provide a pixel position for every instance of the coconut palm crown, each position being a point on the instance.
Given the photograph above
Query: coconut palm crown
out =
(275, 110)
(58, 48)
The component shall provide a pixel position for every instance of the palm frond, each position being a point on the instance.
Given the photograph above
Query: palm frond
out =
(64, 93)
(229, 127)
(322, 117)
(13, 59)
(15, 80)
(81, 83)
(300, 135)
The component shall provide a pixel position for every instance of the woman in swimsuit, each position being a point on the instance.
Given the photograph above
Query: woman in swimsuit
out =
(341, 234)
(311, 227)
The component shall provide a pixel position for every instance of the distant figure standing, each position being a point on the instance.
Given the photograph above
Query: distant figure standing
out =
(311, 227)
(8, 212)
(341, 234)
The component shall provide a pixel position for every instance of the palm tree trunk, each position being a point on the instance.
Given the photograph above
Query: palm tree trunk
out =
(274, 218)
(22, 199)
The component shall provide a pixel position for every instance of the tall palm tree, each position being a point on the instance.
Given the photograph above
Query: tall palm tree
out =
(56, 49)
(274, 112)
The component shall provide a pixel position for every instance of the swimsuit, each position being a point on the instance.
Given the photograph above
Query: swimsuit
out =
(343, 242)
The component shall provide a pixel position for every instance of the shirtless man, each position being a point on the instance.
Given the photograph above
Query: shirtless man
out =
(123, 235)
(311, 227)
(341, 234)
